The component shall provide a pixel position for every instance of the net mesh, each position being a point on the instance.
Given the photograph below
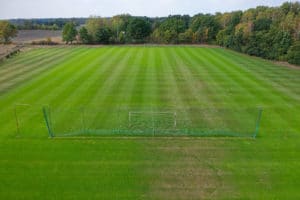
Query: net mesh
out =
(149, 122)
(29, 120)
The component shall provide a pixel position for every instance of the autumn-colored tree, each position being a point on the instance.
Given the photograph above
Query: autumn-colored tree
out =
(7, 31)
(69, 32)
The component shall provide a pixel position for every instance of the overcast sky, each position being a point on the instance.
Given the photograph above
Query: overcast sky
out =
(107, 8)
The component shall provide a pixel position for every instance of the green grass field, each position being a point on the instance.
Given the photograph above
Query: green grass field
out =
(186, 79)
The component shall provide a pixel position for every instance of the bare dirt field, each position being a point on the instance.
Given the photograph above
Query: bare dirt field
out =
(6, 48)
(27, 36)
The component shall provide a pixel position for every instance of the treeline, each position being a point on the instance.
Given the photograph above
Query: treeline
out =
(264, 32)
(268, 32)
(46, 23)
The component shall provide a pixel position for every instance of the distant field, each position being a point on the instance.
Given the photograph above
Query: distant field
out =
(148, 78)
(27, 36)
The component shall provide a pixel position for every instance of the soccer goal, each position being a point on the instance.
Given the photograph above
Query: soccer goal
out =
(207, 122)
(146, 122)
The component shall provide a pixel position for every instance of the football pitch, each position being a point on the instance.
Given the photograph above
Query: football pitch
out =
(172, 95)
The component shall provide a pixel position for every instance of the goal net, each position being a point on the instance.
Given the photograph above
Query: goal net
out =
(152, 122)
(211, 122)
(29, 120)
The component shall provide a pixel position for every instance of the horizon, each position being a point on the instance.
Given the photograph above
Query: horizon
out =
(16, 9)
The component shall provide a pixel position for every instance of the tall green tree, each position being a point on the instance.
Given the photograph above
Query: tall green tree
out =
(7, 31)
(281, 42)
(103, 35)
(119, 24)
(172, 26)
(69, 32)
(170, 37)
(186, 37)
(138, 29)
(207, 26)
(262, 24)
(259, 44)
(84, 36)
(93, 24)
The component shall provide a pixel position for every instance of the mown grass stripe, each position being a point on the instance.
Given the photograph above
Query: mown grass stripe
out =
(177, 96)
(95, 101)
(38, 85)
(16, 68)
(153, 93)
(85, 89)
(247, 96)
(196, 86)
(248, 79)
(139, 83)
(22, 59)
(71, 85)
(113, 94)
(160, 84)
(277, 76)
(41, 84)
(71, 105)
(18, 77)
(115, 66)
(273, 96)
